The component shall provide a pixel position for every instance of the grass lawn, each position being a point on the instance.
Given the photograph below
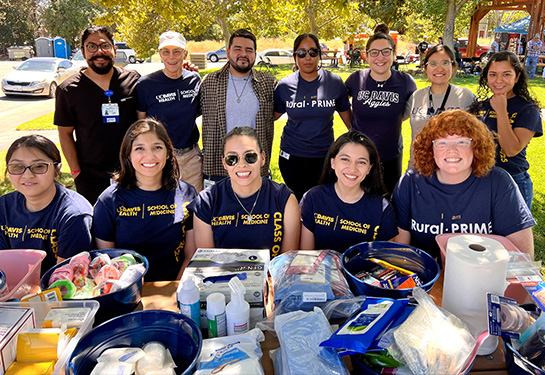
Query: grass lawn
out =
(535, 151)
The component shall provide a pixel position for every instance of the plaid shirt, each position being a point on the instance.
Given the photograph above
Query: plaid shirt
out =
(530, 48)
(214, 123)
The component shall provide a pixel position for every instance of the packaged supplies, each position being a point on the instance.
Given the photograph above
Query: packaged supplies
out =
(34, 368)
(45, 344)
(108, 272)
(304, 279)
(127, 355)
(97, 263)
(158, 360)
(123, 261)
(73, 317)
(12, 321)
(238, 310)
(300, 334)
(232, 355)
(80, 266)
(62, 273)
(67, 288)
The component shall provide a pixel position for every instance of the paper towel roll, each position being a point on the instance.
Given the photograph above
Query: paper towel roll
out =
(474, 266)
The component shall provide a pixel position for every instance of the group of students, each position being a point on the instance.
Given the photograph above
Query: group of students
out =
(337, 192)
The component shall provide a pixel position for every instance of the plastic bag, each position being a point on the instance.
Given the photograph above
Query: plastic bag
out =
(304, 279)
(431, 341)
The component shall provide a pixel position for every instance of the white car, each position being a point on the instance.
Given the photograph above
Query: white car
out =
(79, 61)
(38, 76)
(275, 56)
(131, 54)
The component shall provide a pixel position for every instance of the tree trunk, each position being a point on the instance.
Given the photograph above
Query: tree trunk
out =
(222, 22)
(311, 14)
(448, 32)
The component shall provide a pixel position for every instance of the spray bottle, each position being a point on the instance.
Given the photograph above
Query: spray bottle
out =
(190, 301)
(238, 310)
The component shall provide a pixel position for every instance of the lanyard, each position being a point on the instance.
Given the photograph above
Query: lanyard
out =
(442, 108)
(109, 94)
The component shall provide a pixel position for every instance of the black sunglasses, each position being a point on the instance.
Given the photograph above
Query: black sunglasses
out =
(232, 159)
(302, 53)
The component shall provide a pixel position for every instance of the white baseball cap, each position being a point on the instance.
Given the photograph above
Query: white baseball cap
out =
(536, 36)
(172, 39)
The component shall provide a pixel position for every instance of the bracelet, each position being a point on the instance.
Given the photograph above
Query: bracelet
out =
(75, 172)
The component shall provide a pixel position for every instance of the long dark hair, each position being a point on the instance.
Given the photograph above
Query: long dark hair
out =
(40, 143)
(521, 86)
(372, 184)
(126, 177)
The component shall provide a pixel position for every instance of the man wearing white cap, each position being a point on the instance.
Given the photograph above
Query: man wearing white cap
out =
(171, 96)
(532, 55)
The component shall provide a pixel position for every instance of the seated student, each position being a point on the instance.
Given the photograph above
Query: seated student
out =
(456, 188)
(42, 214)
(246, 211)
(348, 207)
(146, 210)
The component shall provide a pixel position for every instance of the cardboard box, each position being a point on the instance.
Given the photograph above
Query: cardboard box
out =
(12, 321)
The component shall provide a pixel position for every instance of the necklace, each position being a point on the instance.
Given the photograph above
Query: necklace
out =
(243, 88)
(241, 205)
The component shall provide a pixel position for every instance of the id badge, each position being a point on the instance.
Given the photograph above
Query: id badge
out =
(110, 112)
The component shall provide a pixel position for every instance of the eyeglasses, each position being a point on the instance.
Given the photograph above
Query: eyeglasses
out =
(459, 144)
(167, 53)
(232, 159)
(93, 47)
(443, 63)
(375, 52)
(38, 168)
(302, 53)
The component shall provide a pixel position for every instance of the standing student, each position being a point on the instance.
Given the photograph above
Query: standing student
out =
(42, 214)
(310, 96)
(512, 113)
(348, 207)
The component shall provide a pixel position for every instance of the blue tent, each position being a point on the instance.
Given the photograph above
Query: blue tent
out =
(517, 27)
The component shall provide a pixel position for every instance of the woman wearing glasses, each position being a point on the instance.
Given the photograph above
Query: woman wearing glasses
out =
(379, 95)
(246, 211)
(146, 210)
(439, 66)
(310, 96)
(42, 214)
(512, 113)
(456, 188)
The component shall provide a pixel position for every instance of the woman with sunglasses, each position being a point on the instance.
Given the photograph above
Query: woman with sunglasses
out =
(310, 96)
(246, 211)
(348, 206)
(439, 66)
(146, 210)
(456, 188)
(379, 96)
(512, 113)
(42, 214)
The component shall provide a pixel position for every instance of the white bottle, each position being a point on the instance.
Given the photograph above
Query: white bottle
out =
(190, 304)
(215, 313)
(238, 310)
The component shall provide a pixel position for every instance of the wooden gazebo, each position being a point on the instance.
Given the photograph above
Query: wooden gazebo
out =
(536, 8)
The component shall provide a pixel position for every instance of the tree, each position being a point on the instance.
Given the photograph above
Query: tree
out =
(18, 22)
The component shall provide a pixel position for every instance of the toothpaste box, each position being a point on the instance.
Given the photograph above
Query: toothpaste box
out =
(12, 321)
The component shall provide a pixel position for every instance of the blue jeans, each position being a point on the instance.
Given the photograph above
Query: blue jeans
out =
(531, 65)
(526, 187)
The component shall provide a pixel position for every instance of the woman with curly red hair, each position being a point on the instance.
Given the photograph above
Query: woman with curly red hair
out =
(456, 188)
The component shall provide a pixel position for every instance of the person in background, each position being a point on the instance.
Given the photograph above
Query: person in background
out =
(440, 40)
(42, 214)
(93, 110)
(245, 210)
(512, 113)
(455, 187)
(495, 46)
(379, 96)
(146, 210)
(167, 93)
(310, 96)
(422, 48)
(348, 207)
(441, 95)
(532, 55)
(457, 53)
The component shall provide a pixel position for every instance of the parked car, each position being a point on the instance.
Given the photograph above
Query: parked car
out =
(481, 51)
(128, 51)
(38, 76)
(276, 56)
(217, 55)
(79, 61)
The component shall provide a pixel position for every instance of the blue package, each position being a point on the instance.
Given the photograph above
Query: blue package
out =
(359, 332)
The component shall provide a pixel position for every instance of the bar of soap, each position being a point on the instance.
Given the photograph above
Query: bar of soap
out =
(71, 316)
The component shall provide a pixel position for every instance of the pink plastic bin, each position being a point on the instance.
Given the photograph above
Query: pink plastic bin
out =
(22, 269)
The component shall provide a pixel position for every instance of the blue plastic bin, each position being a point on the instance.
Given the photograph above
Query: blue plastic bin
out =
(356, 259)
(177, 332)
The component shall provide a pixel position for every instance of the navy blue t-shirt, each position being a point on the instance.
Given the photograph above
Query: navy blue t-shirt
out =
(310, 107)
(522, 114)
(218, 207)
(146, 222)
(174, 102)
(487, 205)
(338, 225)
(61, 229)
(378, 108)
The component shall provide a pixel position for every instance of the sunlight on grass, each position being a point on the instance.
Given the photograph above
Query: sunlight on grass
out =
(44, 122)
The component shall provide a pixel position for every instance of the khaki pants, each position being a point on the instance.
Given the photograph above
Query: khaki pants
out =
(190, 163)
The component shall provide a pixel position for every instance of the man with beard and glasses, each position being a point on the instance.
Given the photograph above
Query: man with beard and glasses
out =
(93, 110)
(236, 95)
(170, 95)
